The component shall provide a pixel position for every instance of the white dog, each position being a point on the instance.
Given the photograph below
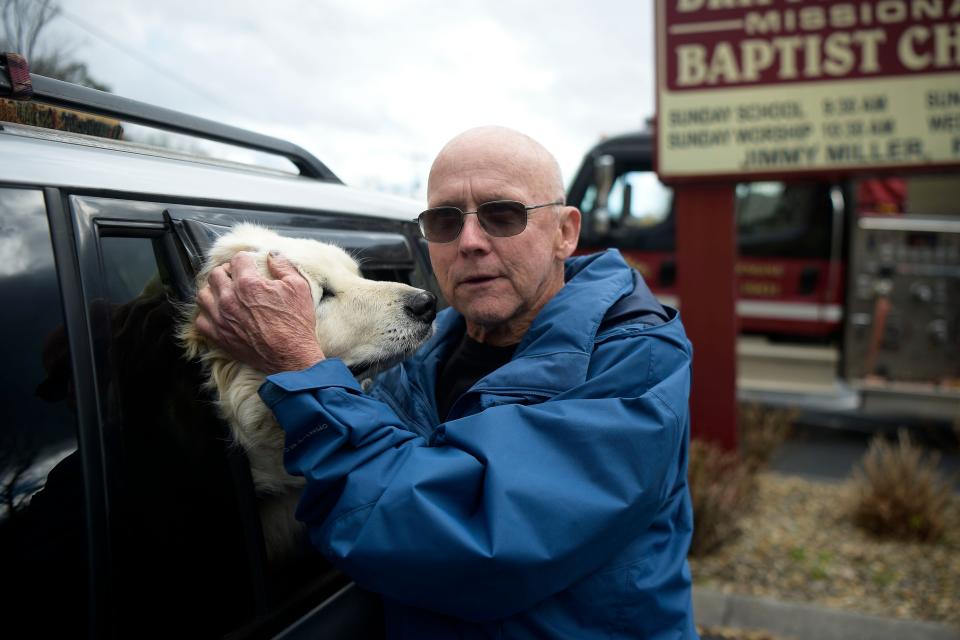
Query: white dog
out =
(368, 324)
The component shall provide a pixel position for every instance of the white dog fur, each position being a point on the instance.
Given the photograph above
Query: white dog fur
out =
(363, 322)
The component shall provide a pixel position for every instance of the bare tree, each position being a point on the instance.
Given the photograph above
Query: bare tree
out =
(24, 24)
(24, 21)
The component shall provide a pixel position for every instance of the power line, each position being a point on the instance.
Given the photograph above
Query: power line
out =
(133, 53)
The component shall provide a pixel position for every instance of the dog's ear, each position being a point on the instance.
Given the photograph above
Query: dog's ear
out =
(316, 287)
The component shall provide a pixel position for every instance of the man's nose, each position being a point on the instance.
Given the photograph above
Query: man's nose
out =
(472, 236)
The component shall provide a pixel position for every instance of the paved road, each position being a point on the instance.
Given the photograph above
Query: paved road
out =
(829, 454)
(726, 616)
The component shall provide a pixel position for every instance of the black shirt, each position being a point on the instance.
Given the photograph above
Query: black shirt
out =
(469, 361)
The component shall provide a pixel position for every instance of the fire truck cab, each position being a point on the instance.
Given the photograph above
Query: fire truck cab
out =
(790, 276)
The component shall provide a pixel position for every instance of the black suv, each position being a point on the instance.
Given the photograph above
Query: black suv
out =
(125, 511)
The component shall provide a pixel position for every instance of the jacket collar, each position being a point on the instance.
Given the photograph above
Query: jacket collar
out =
(565, 330)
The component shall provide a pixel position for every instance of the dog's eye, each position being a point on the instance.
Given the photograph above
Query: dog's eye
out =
(326, 294)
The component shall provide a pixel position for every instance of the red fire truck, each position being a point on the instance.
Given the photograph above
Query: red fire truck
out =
(867, 269)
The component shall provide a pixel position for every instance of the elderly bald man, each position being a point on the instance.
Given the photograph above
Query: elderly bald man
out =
(524, 474)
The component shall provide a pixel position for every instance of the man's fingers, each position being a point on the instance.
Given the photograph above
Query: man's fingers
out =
(243, 265)
(206, 301)
(219, 279)
(281, 268)
(206, 327)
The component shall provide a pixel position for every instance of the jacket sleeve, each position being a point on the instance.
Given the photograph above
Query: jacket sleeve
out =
(500, 509)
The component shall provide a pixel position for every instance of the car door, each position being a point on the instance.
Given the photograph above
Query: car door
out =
(186, 550)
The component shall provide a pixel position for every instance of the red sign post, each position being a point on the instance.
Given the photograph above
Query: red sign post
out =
(706, 254)
(777, 90)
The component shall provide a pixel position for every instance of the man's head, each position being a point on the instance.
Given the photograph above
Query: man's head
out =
(499, 284)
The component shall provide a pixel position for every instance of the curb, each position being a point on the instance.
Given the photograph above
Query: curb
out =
(714, 608)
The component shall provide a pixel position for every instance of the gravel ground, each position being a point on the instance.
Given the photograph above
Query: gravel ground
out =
(799, 545)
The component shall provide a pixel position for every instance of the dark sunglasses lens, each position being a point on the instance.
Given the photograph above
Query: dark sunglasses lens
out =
(502, 218)
(441, 224)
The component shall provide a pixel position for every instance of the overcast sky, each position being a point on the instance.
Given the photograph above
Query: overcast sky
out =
(375, 87)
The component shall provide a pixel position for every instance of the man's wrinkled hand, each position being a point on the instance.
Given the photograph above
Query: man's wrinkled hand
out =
(262, 322)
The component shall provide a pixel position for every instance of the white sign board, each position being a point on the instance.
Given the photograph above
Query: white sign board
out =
(768, 87)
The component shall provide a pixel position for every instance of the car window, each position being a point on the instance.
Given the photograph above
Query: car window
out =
(784, 219)
(186, 540)
(43, 571)
(639, 214)
(129, 265)
(771, 207)
(178, 553)
(637, 199)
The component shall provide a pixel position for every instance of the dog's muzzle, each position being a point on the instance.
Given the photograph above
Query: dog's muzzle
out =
(421, 306)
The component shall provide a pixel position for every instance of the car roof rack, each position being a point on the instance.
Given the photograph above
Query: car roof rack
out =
(17, 86)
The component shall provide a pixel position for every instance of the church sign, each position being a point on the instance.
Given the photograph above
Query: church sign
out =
(769, 87)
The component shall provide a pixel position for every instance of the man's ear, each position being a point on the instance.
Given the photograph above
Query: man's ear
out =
(568, 235)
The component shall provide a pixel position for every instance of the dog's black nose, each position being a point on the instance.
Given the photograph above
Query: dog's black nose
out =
(422, 306)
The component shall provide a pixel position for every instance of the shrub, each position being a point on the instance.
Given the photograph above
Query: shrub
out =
(721, 487)
(899, 492)
(762, 430)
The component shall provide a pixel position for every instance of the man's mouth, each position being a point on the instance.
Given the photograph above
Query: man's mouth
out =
(478, 279)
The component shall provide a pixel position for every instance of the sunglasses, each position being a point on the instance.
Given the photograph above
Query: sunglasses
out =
(500, 219)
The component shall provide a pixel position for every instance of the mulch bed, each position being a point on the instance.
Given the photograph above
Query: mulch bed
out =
(798, 544)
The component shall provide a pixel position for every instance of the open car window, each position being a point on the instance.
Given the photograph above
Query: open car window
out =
(383, 254)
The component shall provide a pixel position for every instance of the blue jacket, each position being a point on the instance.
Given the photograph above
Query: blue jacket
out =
(553, 501)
